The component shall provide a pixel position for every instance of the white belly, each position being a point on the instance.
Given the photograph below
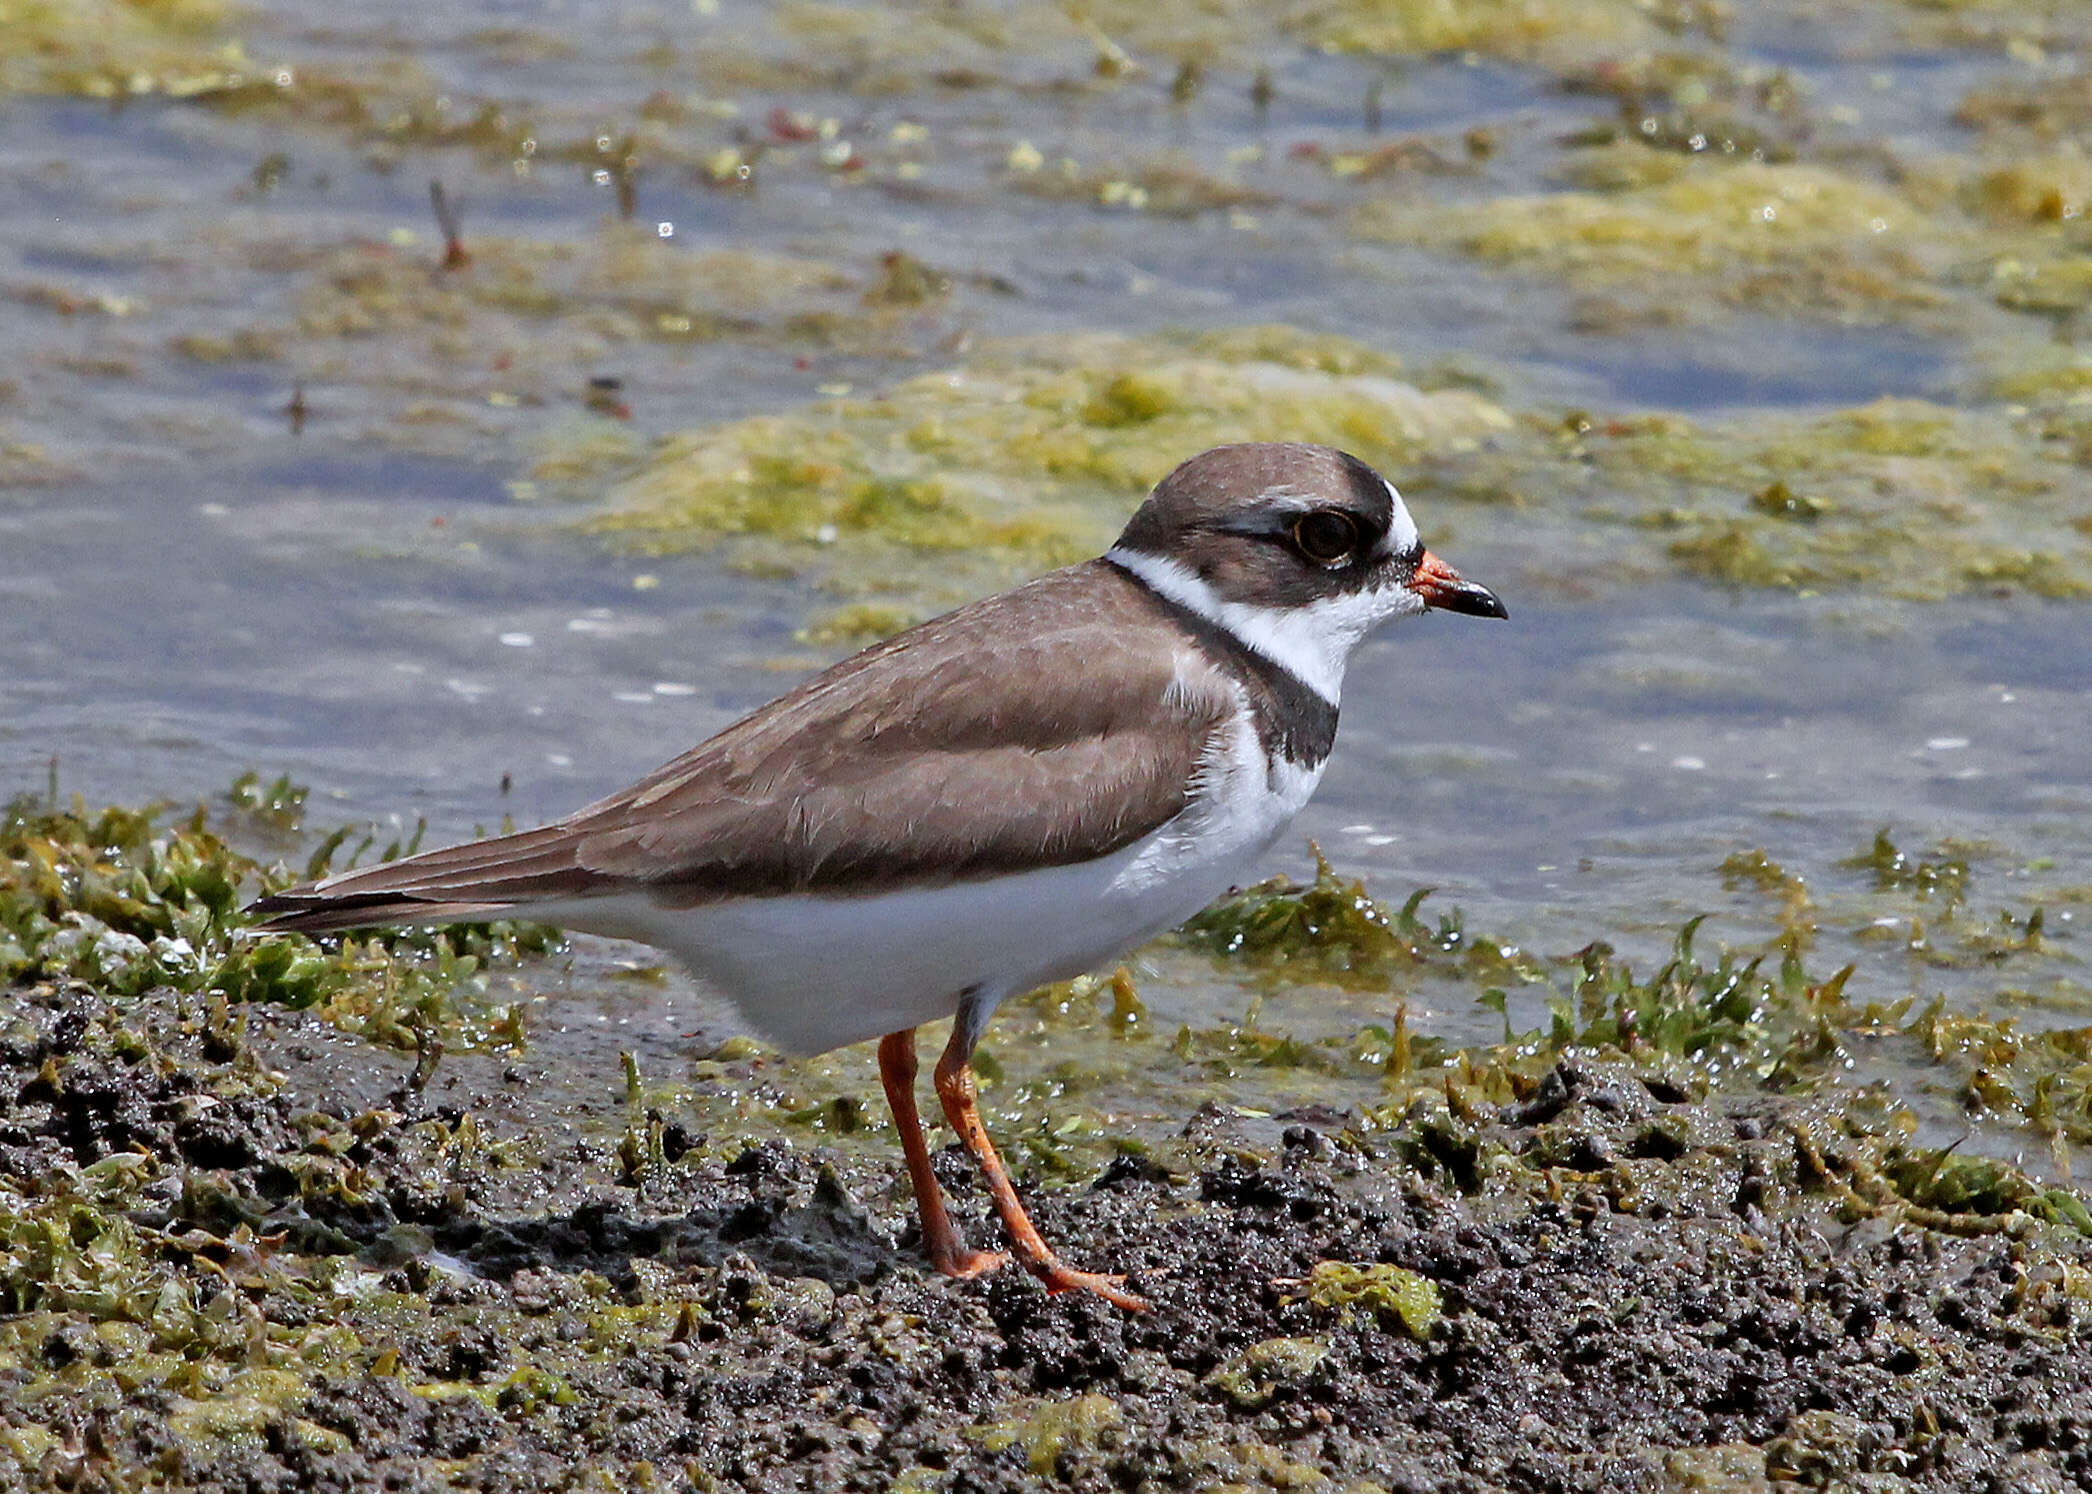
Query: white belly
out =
(815, 972)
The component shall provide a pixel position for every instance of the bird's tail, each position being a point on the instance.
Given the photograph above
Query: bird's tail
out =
(479, 879)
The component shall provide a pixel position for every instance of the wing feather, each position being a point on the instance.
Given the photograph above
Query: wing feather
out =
(1040, 726)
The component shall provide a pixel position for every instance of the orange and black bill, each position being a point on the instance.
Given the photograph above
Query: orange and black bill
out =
(1443, 589)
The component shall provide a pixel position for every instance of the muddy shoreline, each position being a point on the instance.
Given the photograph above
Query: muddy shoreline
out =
(253, 1255)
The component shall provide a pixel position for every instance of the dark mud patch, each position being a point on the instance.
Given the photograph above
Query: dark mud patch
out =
(258, 1257)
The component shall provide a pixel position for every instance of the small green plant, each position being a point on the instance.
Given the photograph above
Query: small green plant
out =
(132, 899)
(1334, 929)
(1895, 870)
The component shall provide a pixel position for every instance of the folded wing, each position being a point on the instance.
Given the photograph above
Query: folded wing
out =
(1034, 728)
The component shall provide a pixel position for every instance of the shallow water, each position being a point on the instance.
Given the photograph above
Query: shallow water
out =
(190, 586)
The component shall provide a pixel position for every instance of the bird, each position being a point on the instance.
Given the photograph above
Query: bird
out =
(1011, 794)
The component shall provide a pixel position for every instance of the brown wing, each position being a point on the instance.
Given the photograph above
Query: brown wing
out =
(1047, 725)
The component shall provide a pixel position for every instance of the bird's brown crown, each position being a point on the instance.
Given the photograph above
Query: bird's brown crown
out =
(1275, 523)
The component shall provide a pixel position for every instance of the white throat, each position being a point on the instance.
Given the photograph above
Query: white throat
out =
(1312, 642)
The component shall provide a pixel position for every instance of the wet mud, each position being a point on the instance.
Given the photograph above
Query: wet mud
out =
(248, 1251)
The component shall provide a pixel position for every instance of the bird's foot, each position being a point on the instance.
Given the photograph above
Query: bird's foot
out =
(1112, 1288)
(964, 1264)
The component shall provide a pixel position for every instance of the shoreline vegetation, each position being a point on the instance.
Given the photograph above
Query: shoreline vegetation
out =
(277, 1211)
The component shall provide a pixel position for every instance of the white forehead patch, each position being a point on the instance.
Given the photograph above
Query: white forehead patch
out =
(1401, 529)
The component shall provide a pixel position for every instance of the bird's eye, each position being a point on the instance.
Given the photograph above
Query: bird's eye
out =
(1326, 537)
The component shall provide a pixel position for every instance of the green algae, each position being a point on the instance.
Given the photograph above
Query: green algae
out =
(856, 625)
(580, 449)
(217, 1327)
(1505, 28)
(1905, 498)
(1332, 925)
(1732, 555)
(1676, 103)
(1333, 929)
(1947, 877)
(278, 804)
(953, 483)
(1181, 51)
(1794, 236)
(624, 285)
(2030, 190)
(1047, 1430)
(886, 483)
(1262, 1371)
(72, 1254)
(1938, 1179)
(1028, 456)
(526, 323)
(1716, 1014)
(129, 900)
(1992, 1067)
(2028, 113)
(537, 311)
(1167, 188)
(1393, 1294)
(119, 48)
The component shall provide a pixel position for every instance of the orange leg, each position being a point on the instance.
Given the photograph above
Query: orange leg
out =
(955, 1087)
(948, 1252)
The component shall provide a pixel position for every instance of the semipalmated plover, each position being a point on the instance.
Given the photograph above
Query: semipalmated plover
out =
(1011, 794)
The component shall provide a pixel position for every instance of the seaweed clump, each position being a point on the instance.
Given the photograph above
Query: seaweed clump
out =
(129, 900)
(1334, 929)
